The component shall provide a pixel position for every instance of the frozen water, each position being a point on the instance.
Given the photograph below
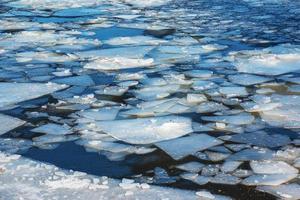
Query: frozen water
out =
(38, 180)
(286, 191)
(268, 179)
(270, 61)
(247, 79)
(9, 123)
(272, 167)
(239, 119)
(53, 129)
(13, 93)
(147, 130)
(285, 115)
(189, 145)
(116, 63)
(193, 167)
(261, 138)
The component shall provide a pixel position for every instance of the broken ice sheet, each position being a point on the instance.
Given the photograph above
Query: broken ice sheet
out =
(225, 179)
(193, 166)
(285, 191)
(247, 79)
(53, 129)
(189, 145)
(83, 80)
(286, 114)
(156, 92)
(12, 93)
(44, 57)
(146, 130)
(9, 123)
(233, 91)
(276, 60)
(239, 119)
(135, 40)
(260, 138)
(45, 181)
(106, 113)
(272, 167)
(268, 179)
(252, 154)
(116, 63)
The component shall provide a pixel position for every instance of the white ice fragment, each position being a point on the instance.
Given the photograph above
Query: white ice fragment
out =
(225, 179)
(106, 113)
(116, 63)
(268, 179)
(239, 119)
(247, 79)
(193, 167)
(272, 167)
(286, 191)
(195, 98)
(184, 146)
(199, 73)
(12, 93)
(53, 129)
(230, 166)
(9, 123)
(84, 80)
(135, 40)
(205, 194)
(276, 60)
(261, 138)
(147, 130)
(286, 114)
(233, 91)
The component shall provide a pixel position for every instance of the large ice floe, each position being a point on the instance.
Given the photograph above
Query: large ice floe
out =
(28, 179)
(146, 130)
(169, 93)
(13, 93)
(270, 61)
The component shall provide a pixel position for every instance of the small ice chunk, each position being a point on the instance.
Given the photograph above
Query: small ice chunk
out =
(261, 138)
(205, 195)
(199, 73)
(193, 167)
(106, 113)
(184, 146)
(53, 129)
(268, 179)
(233, 91)
(116, 63)
(226, 179)
(247, 79)
(286, 191)
(147, 130)
(230, 166)
(199, 85)
(84, 80)
(252, 154)
(134, 40)
(272, 167)
(9, 123)
(239, 119)
(196, 98)
(112, 90)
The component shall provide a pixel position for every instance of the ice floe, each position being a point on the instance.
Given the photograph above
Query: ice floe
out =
(13, 93)
(189, 145)
(270, 61)
(146, 130)
(9, 123)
